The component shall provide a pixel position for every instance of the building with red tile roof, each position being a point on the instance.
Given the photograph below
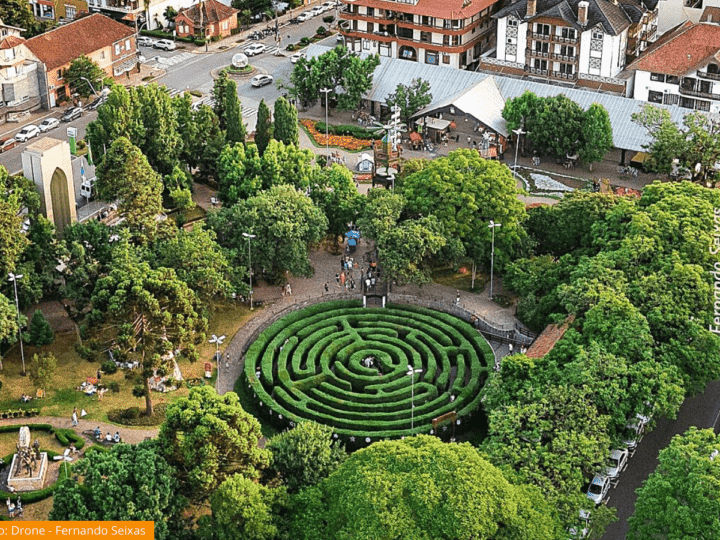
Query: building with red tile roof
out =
(682, 68)
(206, 20)
(18, 75)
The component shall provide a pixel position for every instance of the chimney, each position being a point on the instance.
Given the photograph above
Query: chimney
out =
(531, 8)
(583, 13)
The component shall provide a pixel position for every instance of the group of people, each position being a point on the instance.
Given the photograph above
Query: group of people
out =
(108, 437)
(286, 290)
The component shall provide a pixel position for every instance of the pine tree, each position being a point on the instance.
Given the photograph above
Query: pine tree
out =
(40, 332)
(235, 129)
(218, 93)
(286, 123)
(264, 128)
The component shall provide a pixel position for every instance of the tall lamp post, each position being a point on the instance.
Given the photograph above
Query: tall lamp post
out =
(14, 279)
(250, 237)
(411, 373)
(326, 91)
(91, 84)
(517, 132)
(217, 341)
(492, 225)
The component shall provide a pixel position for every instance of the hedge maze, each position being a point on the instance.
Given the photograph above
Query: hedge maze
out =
(346, 366)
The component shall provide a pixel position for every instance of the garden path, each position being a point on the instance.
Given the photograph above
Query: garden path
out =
(129, 434)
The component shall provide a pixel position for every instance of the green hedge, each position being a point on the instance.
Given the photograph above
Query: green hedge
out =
(65, 436)
(20, 413)
(310, 368)
(29, 497)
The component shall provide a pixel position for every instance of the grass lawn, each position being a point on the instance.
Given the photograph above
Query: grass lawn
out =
(47, 440)
(72, 370)
(449, 277)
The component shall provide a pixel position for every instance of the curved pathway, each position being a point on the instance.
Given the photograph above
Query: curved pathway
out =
(129, 435)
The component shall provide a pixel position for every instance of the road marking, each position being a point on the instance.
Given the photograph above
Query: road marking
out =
(716, 420)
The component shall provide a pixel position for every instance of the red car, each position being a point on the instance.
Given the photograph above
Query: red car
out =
(7, 144)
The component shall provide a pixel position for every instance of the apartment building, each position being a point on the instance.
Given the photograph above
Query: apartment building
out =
(18, 75)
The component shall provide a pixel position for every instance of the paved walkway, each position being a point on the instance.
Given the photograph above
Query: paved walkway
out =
(129, 435)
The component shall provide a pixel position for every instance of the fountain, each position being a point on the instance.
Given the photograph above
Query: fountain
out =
(29, 465)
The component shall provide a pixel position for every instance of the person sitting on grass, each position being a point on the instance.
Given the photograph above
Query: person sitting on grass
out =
(116, 438)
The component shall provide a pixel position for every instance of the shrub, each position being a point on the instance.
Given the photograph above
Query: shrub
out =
(305, 40)
(108, 367)
(328, 19)
(290, 47)
(131, 413)
(67, 436)
(321, 31)
(114, 387)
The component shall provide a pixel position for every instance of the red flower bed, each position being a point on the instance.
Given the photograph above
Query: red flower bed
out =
(341, 141)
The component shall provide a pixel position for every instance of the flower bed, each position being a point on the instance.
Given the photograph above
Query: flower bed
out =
(340, 141)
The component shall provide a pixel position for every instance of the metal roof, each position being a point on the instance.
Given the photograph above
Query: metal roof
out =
(448, 83)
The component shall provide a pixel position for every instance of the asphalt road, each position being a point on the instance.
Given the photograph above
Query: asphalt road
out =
(702, 411)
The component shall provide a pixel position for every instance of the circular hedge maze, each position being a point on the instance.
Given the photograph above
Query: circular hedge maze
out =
(346, 366)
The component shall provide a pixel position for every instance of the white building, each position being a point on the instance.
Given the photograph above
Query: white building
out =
(574, 40)
(682, 68)
(137, 13)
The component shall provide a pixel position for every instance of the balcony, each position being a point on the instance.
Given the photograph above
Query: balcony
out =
(568, 76)
(708, 75)
(536, 54)
(542, 37)
(536, 71)
(695, 93)
(564, 58)
(25, 105)
(569, 41)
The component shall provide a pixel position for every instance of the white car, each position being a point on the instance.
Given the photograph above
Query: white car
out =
(328, 5)
(634, 431)
(305, 16)
(616, 463)
(87, 189)
(28, 132)
(48, 124)
(297, 56)
(261, 80)
(144, 41)
(165, 44)
(598, 489)
(318, 10)
(258, 48)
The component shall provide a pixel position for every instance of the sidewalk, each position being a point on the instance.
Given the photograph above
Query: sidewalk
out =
(129, 434)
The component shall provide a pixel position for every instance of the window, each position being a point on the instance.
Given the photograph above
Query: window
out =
(458, 23)
(540, 64)
(568, 33)
(567, 51)
(366, 44)
(543, 29)
(385, 49)
(658, 77)
(655, 97)
(687, 103)
(127, 44)
(446, 41)
(701, 105)
(370, 27)
(117, 49)
(70, 11)
(512, 22)
(672, 79)
(10, 54)
(431, 57)
(567, 68)
(597, 35)
(446, 58)
(425, 20)
(671, 99)
(425, 37)
(102, 55)
(370, 11)
(447, 24)
(542, 48)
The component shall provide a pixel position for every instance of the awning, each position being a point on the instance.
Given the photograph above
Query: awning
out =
(47, 3)
(434, 123)
(639, 158)
(415, 136)
(125, 66)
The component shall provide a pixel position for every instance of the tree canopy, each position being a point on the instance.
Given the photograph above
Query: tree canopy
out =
(84, 76)
(410, 98)
(285, 127)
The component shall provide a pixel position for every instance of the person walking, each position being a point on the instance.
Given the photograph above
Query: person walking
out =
(74, 417)
(288, 289)
(457, 299)
(337, 279)
(327, 287)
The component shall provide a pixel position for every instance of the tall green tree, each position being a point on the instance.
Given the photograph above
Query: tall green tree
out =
(305, 455)
(128, 483)
(219, 94)
(42, 369)
(126, 176)
(558, 129)
(285, 126)
(285, 223)
(408, 249)
(235, 131)
(208, 438)
(333, 190)
(40, 333)
(596, 135)
(522, 111)
(8, 323)
(679, 500)
(19, 14)
(264, 127)
(84, 76)
(150, 315)
(410, 98)
(381, 213)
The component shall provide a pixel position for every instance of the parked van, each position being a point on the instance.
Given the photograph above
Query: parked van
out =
(87, 189)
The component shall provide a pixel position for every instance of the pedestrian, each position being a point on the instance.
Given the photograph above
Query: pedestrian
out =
(469, 141)
(523, 349)
(457, 299)
(74, 417)
(352, 284)
(337, 279)
(289, 289)
(342, 264)
(327, 287)
(282, 290)
(342, 278)
(99, 374)
(510, 347)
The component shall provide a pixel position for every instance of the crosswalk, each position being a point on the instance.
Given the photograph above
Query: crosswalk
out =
(165, 62)
(247, 112)
(272, 49)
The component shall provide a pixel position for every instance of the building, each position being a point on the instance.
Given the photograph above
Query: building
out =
(452, 33)
(19, 91)
(59, 10)
(674, 12)
(140, 14)
(108, 43)
(580, 41)
(206, 20)
(682, 68)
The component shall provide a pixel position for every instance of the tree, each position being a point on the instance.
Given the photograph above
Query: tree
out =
(150, 315)
(19, 14)
(679, 500)
(208, 438)
(464, 192)
(305, 455)
(264, 127)
(407, 250)
(39, 333)
(8, 323)
(170, 13)
(522, 111)
(596, 134)
(126, 176)
(235, 130)
(162, 143)
(199, 261)
(333, 190)
(285, 127)
(410, 98)
(209, 143)
(219, 94)
(42, 369)
(84, 76)
(243, 510)
(557, 131)
(285, 223)
(128, 483)
(420, 487)
(381, 213)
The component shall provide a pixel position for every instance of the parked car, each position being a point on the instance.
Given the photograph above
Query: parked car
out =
(634, 431)
(28, 132)
(328, 5)
(144, 41)
(96, 103)
(305, 16)
(73, 113)
(297, 56)
(87, 188)
(258, 48)
(318, 10)
(261, 80)
(48, 124)
(7, 144)
(616, 463)
(165, 44)
(598, 489)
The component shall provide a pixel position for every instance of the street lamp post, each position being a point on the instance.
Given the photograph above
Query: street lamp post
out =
(411, 373)
(517, 132)
(217, 340)
(492, 254)
(91, 85)
(250, 270)
(326, 91)
(14, 279)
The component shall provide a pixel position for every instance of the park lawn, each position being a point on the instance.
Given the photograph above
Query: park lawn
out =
(72, 370)
(47, 440)
(449, 277)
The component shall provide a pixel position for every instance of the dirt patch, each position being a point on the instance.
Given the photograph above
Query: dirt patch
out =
(55, 314)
